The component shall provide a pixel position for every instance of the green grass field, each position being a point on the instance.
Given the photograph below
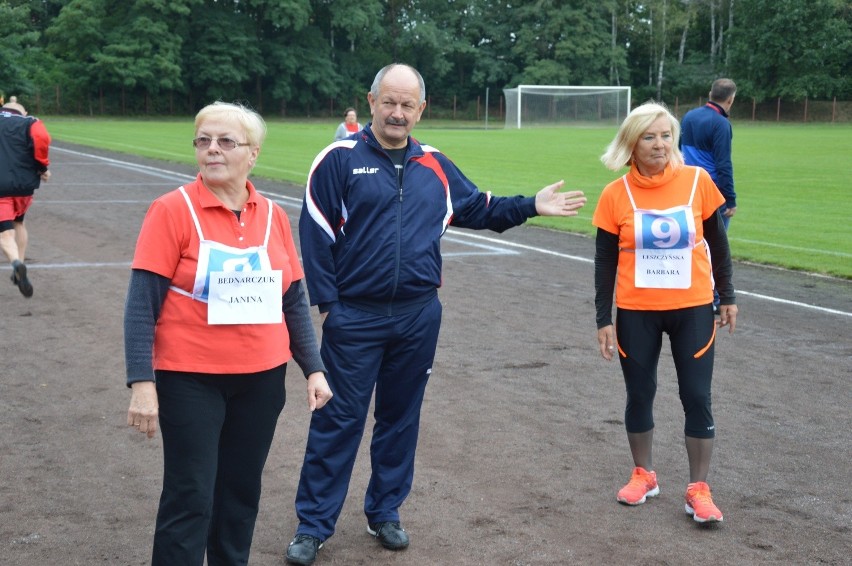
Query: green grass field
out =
(794, 182)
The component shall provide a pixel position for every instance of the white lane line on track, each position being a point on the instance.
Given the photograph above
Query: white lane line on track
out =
(793, 303)
(286, 200)
(789, 247)
(490, 250)
(137, 167)
(461, 235)
(545, 251)
(66, 265)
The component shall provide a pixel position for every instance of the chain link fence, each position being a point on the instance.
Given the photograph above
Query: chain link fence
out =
(485, 109)
(781, 110)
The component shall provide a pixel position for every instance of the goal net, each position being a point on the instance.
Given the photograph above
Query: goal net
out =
(540, 105)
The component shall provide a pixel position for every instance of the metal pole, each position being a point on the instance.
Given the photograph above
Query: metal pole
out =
(486, 108)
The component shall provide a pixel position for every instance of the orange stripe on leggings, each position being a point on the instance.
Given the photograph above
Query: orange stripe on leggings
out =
(700, 352)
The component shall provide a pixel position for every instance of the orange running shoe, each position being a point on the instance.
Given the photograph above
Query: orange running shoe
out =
(642, 484)
(699, 504)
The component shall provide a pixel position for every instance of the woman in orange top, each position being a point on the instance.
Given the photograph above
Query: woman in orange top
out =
(215, 309)
(658, 228)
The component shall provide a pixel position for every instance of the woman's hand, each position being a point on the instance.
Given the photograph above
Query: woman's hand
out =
(606, 341)
(319, 393)
(144, 408)
(727, 317)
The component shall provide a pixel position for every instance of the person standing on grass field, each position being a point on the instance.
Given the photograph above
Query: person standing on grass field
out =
(348, 126)
(706, 136)
(24, 162)
(375, 209)
(215, 310)
(657, 228)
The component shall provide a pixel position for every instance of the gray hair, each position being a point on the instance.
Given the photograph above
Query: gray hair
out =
(722, 89)
(251, 121)
(619, 152)
(374, 89)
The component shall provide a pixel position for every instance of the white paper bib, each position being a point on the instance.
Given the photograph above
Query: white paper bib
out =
(238, 284)
(664, 243)
(244, 297)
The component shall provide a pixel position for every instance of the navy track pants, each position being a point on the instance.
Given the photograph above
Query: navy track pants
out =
(362, 352)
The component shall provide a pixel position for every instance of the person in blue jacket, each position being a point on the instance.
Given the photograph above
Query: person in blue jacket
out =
(705, 141)
(375, 209)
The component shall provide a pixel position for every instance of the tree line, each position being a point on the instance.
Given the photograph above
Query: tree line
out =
(314, 57)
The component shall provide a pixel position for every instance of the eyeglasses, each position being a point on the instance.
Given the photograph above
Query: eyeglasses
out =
(227, 144)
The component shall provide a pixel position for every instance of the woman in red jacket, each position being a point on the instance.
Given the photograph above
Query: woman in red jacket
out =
(215, 310)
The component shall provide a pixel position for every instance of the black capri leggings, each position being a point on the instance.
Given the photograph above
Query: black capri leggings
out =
(692, 333)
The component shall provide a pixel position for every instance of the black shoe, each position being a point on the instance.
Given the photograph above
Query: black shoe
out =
(390, 534)
(303, 550)
(19, 278)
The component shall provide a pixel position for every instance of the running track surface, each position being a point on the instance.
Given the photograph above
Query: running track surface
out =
(522, 443)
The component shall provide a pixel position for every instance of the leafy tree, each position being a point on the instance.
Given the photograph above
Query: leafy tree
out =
(489, 29)
(221, 54)
(564, 42)
(308, 56)
(424, 35)
(668, 56)
(356, 37)
(75, 37)
(140, 52)
(302, 74)
(617, 52)
(19, 42)
(793, 49)
(297, 56)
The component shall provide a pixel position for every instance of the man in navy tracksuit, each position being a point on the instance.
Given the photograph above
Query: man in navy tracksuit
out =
(705, 141)
(375, 209)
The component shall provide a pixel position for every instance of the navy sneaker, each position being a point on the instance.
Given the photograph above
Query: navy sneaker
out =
(390, 534)
(303, 550)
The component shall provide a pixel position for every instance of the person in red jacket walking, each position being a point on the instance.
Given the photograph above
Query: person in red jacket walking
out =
(24, 147)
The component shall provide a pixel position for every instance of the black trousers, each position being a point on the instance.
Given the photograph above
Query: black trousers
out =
(217, 431)
(692, 333)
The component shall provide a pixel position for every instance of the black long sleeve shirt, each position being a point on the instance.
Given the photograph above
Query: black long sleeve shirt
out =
(145, 295)
(606, 266)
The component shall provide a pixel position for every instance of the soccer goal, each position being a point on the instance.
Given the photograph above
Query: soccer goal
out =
(542, 105)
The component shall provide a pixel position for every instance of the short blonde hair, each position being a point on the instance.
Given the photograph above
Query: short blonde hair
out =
(619, 152)
(252, 123)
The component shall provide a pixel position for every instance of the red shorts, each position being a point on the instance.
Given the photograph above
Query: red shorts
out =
(13, 208)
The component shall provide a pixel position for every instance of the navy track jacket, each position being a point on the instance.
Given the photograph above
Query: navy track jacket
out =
(705, 141)
(368, 238)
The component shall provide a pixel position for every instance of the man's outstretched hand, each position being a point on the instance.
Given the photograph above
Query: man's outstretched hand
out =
(550, 202)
